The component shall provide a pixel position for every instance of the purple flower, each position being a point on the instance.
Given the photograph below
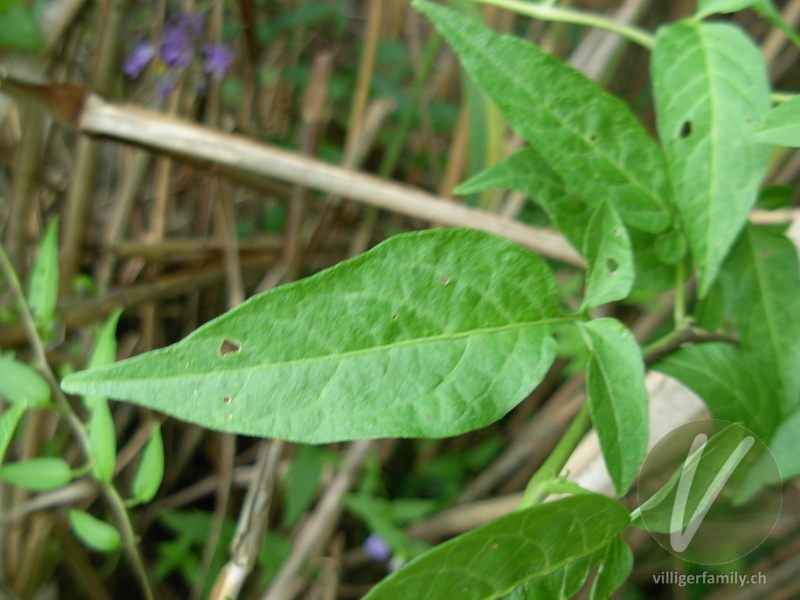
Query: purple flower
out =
(182, 40)
(141, 55)
(376, 548)
(218, 57)
(177, 49)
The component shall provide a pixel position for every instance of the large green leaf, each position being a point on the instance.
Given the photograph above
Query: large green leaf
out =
(728, 382)
(710, 88)
(764, 286)
(588, 137)
(507, 558)
(427, 335)
(617, 397)
(607, 249)
(781, 125)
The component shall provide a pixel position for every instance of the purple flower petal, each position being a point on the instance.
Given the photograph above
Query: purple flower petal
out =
(192, 25)
(141, 55)
(376, 548)
(176, 47)
(218, 57)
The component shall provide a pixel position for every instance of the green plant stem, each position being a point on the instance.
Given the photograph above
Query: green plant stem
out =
(76, 426)
(549, 12)
(535, 491)
(680, 295)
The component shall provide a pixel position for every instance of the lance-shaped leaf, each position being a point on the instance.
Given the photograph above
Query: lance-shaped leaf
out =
(528, 172)
(93, 532)
(729, 382)
(607, 249)
(710, 88)
(43, 289)
(511, 556)
(764, 284)
(617, 397)
(781, 125)
(589, 138)
(616, 565)
(429, 334)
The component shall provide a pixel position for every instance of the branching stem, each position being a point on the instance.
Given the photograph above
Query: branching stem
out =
(76, 426)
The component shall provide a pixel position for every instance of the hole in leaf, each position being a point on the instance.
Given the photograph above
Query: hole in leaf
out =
(226, 399)
(612, 264)
(444, 280)
(686, 130)
(229, 347)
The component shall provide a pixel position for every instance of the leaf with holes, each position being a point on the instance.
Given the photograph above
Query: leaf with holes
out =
(588, 137)
(617, 397)
(781, 125)
(710, 87)
(429, 334)
(557, 540)
(607, 249)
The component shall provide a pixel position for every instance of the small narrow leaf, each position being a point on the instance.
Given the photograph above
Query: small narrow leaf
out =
(763, 278)
(102, 442)
(617, 397)
(104, 352)
(710, 87)
(527, 171)
(38, 474)
(728, 382)
(781, 125)
(485, 562)
(429, 334)
(93, 532)
(616, 565)
(588, 137)
(607, 249)
(43, 290)
(21, 383)
(150, 468)
(8, 423)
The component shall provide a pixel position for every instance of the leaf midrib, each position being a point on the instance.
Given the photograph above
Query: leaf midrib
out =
(340, 356)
